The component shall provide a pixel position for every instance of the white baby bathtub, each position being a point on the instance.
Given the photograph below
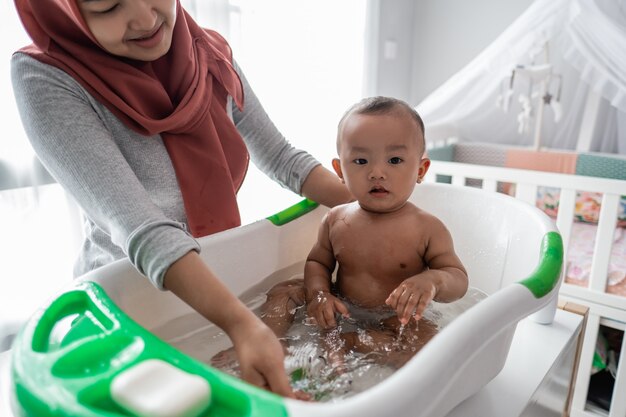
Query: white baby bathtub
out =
(511, 250)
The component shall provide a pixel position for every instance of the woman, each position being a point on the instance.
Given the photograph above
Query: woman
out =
(139, 113)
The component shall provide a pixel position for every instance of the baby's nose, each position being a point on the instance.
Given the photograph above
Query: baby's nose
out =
(377, 173)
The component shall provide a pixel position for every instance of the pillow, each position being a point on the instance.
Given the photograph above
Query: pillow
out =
(587, 205)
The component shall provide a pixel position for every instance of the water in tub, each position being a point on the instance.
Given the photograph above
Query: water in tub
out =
(312, 358)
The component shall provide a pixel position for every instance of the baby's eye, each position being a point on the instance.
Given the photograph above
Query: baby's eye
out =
(395, 160)
(360, 161)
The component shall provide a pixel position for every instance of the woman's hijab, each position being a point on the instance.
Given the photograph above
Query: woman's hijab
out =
(182, 96)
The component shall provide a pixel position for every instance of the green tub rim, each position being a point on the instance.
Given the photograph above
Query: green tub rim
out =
(72, 377)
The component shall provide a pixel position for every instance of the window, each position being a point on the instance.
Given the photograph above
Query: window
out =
(305, 62)
(37, 247)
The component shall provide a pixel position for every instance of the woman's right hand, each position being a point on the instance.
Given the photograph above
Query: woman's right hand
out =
(261, 357)
(323, 307)
(259, 352)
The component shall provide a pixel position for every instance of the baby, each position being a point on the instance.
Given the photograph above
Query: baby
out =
(390, 253)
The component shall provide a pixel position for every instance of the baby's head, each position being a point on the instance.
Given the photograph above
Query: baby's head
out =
(381, 105)
(380, 143)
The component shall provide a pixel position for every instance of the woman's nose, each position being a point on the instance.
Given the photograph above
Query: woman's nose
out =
(143, 15)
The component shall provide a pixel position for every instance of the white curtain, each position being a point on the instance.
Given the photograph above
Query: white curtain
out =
(584, 42)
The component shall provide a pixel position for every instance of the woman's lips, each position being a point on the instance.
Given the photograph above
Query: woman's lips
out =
(151, 40)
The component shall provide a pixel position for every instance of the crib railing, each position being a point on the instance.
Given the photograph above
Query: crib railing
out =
(604, 308)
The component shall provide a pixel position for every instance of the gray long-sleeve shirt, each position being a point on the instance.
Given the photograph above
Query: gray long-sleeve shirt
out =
(125, 182)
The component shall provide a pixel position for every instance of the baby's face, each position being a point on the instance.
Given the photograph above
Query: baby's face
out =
(380, 159)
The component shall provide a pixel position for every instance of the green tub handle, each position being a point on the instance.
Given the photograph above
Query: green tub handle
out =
(66, 356)
(546, 275)
(293, 212)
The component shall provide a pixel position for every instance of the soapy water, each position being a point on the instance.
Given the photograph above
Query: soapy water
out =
(320, 363)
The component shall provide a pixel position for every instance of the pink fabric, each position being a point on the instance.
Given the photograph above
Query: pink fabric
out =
(182, 96)
(561, 162)
(580, 255)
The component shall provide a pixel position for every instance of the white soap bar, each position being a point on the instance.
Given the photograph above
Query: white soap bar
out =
(154, 388)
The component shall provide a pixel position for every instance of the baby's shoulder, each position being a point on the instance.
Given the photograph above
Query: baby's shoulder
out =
(345, 208)
(423, 217)
(340, 212)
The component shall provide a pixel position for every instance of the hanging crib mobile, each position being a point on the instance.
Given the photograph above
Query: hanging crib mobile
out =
(544, 88)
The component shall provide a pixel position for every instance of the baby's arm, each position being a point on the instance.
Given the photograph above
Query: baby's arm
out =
(321, 304)
(445, 280)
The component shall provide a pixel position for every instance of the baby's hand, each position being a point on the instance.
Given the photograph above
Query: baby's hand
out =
(414, 294)
(323, 308)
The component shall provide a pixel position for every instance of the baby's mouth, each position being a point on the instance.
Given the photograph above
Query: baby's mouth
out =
(379, 190)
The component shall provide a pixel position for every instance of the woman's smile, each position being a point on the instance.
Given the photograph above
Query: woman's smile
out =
(149, 40)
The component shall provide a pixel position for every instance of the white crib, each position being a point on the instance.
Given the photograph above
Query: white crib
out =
(605, 309)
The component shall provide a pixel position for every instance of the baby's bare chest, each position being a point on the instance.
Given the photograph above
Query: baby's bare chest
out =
(396, 249)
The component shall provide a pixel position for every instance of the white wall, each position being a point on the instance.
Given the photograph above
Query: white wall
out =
(433, 39)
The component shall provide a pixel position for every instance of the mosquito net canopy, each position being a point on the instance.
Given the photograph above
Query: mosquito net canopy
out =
(555, 78)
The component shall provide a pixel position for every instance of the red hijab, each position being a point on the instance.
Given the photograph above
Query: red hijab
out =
(182, 96)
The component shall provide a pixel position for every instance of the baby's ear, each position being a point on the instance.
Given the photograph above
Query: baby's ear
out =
(423, 169)
(337, 167)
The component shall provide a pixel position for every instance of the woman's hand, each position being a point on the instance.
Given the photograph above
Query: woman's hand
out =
(323, 306)
(326, 188)
(261, 357)
(258, 350)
